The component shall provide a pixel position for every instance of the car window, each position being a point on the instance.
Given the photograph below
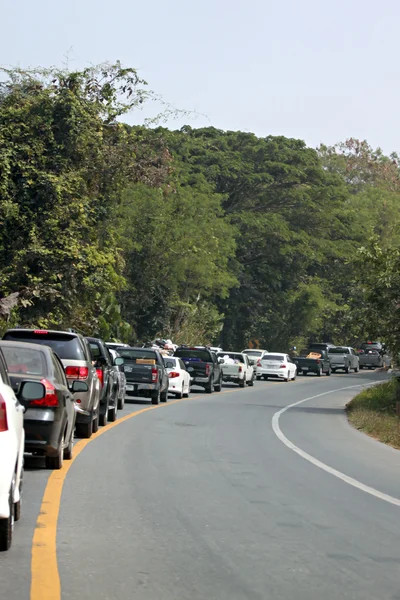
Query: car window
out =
(95, 350)
(67, 346)
(169, 363)
(25, 361)
(273, 357)
(193, 354)
(3, 370)
(339, 350)
(253, 352)
(133, 354)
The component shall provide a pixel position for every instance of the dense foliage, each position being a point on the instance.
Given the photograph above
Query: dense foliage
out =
(198, 234)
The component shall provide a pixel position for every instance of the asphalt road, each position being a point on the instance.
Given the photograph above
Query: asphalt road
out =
(201, 499)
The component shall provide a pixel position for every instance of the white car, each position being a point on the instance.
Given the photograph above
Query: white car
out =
(254, 354)
(276, 365)
(12, 440)
(236, 368)
(179, 379)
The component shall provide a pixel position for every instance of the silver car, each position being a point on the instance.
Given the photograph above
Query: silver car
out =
(74, 352)
(344, 358)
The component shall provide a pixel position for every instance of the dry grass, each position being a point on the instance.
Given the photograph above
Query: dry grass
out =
(373, 411)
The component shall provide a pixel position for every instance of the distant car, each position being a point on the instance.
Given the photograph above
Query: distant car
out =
(179, 379)
(12, 437)
(122, 380)
(74, 352)
(370, 359)
(108, 373)
(373, 346)
(254, 355)
(203, 367)
(145, 372)
(277, 366)
(50, 421)
(343, 357)
(236, 368)
(313, 360)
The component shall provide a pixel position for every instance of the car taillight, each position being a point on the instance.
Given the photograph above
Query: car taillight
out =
(259, 363)
(3, 415)
(50, 398)
(173, 374)
(282, 366)
(77, 372)
(100, 375)
(240, 369)
(154, 375)
(207, 369)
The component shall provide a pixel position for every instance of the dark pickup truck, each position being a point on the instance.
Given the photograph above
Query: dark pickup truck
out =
(203, 367)
(308, 364)
(145, 372)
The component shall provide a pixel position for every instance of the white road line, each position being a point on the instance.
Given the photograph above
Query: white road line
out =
(354, 482)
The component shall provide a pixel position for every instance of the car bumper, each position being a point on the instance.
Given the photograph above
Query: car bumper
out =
(42, 432)
(233, 378)
(140, 389)
(271, 373)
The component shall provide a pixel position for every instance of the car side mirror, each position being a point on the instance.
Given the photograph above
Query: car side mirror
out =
(31, 390)
(79, 386)
(119, 361)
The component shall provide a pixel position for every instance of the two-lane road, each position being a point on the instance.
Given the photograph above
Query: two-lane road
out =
(203, 499)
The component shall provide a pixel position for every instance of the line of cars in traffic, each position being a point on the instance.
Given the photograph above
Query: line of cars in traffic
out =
(54, 384)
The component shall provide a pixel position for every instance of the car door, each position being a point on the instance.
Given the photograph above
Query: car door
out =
(249, 368)
(61, 380)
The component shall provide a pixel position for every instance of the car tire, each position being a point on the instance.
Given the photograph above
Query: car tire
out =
(242, 383)
(56, 462)
(218, 386)
(95, 424)
(294, 376)
(346, 370)
(286, 379)
(210, 388)
(356, 370)
(251, 382)
(180, 395)
(319, 372)
(361, 367)
(155, 398)
(103, 419)
(112, 413)
(333, 370)
(329, 371)
(164, 396)
(69, 449)
(84, 430)
(258, 377)
(7, 525)
(121, 402)
(186, 394)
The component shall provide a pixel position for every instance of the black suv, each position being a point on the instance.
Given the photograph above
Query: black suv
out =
(203, 367)
(108, 374)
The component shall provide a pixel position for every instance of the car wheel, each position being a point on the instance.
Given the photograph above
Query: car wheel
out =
(333, 370)
(258, 377)
(56, 462)
(179, 395)
(84, 430)
(112, 413)
(319, 372)
(251, 382)
(103, 419)
(210, 388)
(164, 396)
(346, 370)
(329, 371)
(356, 370)
(294, 376)
(361, 367)
(7, 525)
(95, 424)
(242, 383)
(155, 398)
(265, 377)
(121, 402)
(218, 387)
(186, 394)
(69, 449)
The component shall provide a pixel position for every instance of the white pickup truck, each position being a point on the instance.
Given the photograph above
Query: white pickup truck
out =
(236, 368)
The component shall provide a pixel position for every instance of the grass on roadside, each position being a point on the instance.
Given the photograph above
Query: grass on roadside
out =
(373, 411)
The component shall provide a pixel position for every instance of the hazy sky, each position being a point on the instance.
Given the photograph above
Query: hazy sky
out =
(320, 70)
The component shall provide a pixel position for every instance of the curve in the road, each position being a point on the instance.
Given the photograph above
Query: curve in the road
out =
(316, 462)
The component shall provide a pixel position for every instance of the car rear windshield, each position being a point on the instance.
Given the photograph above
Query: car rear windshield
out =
(134, 354)
(95, 350)
(66, 345)
(199, 355)
(170, 363)
(25, 361)
(338, 350)
(232, 355)
(273, 357)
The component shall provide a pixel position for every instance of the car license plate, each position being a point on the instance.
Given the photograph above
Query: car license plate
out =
(129, 388)
(304, 368)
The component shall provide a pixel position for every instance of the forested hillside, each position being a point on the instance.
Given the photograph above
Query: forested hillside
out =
(199, 234)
